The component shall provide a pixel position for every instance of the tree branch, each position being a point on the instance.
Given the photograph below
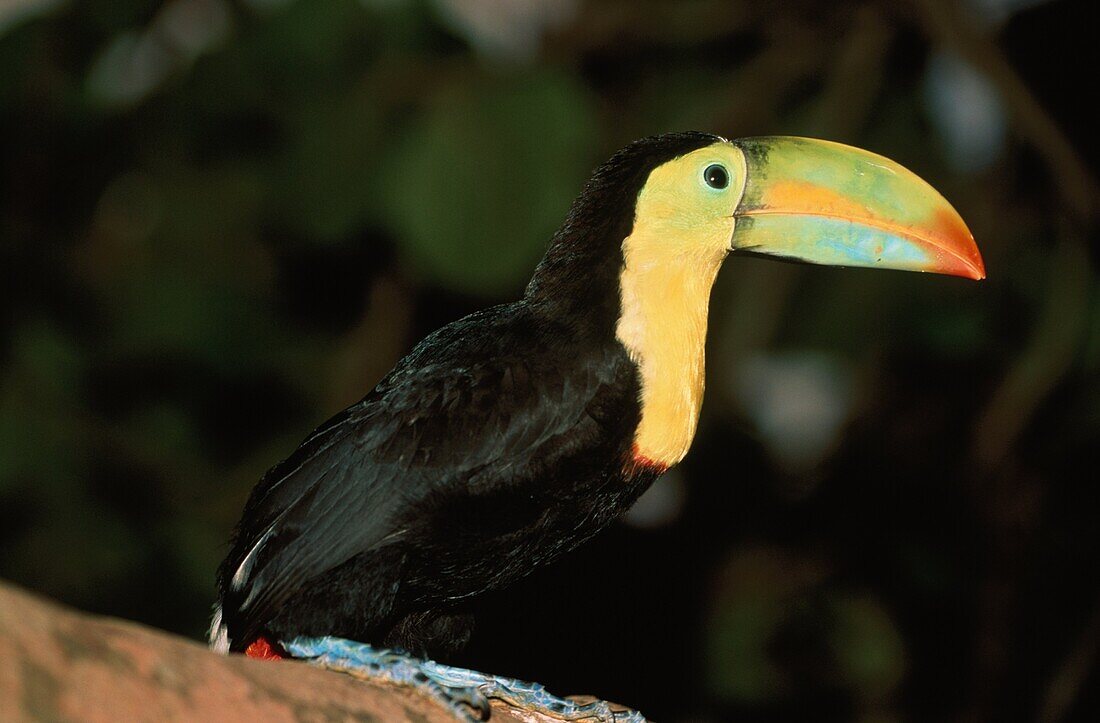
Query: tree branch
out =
(57, 664)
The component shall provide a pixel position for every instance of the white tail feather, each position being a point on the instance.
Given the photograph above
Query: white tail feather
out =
(219, 634)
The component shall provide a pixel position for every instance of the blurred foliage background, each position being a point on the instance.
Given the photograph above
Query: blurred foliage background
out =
(223, 220)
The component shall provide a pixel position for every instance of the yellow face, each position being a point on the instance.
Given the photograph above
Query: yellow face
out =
(687, 204)
(683, 228)
(797, 198)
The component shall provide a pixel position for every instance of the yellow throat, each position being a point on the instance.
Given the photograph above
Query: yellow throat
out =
(671, 259)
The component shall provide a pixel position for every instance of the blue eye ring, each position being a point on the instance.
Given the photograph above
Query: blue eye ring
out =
(716, 176)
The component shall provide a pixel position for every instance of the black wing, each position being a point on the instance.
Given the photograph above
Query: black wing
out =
(463, 402)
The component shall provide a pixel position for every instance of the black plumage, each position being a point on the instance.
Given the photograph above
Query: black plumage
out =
(502, 441)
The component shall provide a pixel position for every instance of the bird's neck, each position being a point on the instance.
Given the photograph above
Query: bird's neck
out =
(663, 325)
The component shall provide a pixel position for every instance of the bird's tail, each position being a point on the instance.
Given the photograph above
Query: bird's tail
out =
(219, 633)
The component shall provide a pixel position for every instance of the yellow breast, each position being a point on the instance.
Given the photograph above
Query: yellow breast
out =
(664, 327)
(670, 261)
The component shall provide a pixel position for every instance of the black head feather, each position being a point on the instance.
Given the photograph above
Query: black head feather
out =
(584, 260)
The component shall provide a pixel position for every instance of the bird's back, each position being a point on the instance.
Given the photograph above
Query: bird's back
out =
(501, 441)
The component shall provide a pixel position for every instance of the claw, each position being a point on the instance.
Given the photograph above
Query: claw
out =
(391, 666)
(464, 692)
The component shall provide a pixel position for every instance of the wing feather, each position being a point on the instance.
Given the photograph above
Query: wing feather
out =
(436, 421)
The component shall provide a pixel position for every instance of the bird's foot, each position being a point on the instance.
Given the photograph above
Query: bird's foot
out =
(391, 666)
(466, 692)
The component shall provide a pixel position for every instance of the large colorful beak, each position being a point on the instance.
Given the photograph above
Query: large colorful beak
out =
(827, 203)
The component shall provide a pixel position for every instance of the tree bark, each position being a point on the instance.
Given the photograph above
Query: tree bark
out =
(61, 665)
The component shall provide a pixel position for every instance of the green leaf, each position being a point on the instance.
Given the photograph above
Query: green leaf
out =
(869, 648)
(325, 180)
(480, 182)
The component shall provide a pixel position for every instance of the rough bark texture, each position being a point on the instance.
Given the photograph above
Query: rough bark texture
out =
(60, 665)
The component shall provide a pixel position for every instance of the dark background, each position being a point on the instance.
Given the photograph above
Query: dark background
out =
(222, 221)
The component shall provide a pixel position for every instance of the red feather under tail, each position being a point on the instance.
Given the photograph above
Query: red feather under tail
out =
(638, 463)
(263, 649)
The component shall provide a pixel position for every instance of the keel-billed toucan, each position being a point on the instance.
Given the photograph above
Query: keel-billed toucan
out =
(507, 438)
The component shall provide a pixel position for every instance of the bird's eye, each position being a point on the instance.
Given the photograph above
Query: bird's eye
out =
(716, 176)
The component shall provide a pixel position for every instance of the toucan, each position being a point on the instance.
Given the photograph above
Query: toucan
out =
(509, 437)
